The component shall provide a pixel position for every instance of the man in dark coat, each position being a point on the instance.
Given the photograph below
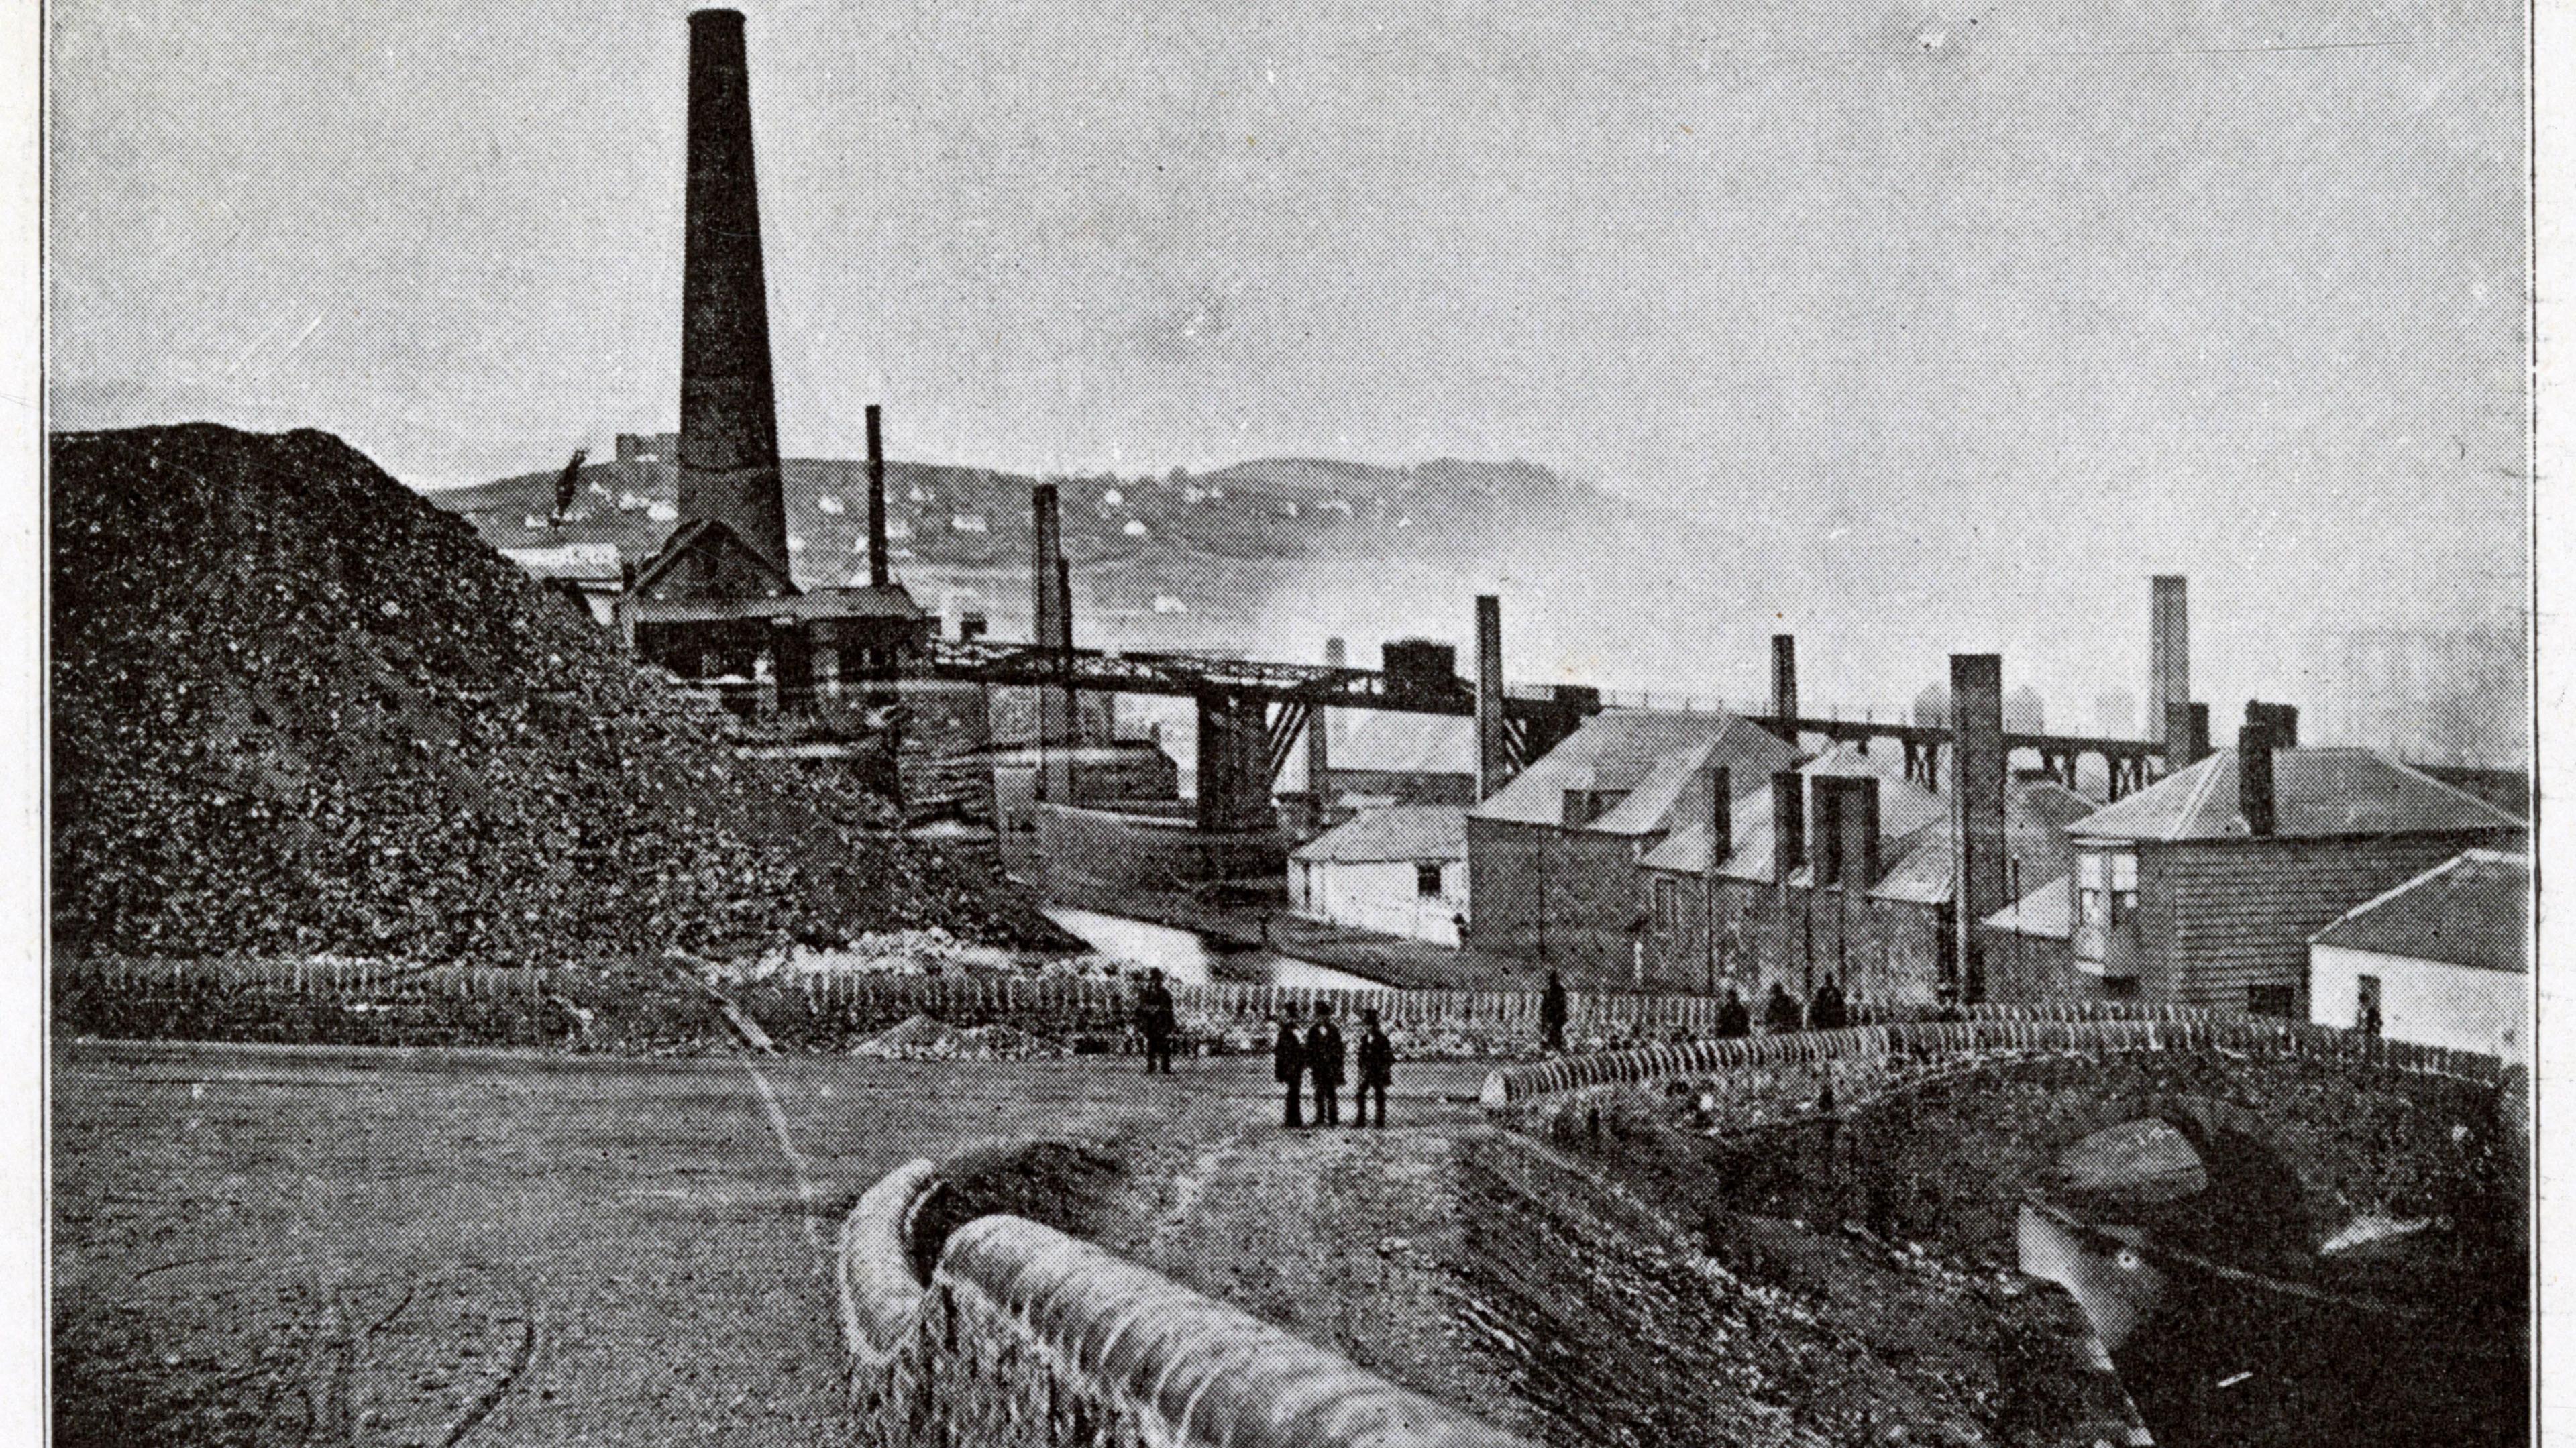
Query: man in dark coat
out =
(1732, 1017)
(1158, 1021)
(1780, 1012)
(1826, 1012)
(1325, 1059)
(1288, 1064)
(1552, 1012)
(1377, 1070)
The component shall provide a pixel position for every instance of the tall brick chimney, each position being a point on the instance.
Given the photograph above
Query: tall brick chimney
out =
(1978, 780)
(728, 445)
(880, 568)
(2168, 656)
(1721, 818)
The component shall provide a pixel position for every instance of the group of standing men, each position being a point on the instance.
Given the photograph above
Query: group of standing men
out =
(1320, 1056)
(1781, 1012)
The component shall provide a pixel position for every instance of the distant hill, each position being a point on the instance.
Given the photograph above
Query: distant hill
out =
(295, 709)
(1206, 543)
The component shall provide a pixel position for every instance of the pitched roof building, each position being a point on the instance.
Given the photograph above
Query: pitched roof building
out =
(2204, 888)
(1553, 855)
(2444, 958)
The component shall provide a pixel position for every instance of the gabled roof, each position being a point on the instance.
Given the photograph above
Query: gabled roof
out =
(2473, 910)
(1648, 755)
(1404, 832)
(700, 533)
(2321, 793)
(1686, 849)
(2047, 913)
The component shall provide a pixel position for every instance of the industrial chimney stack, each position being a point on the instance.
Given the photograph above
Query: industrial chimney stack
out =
(728, 400)
(880, 569)
(2169, 663)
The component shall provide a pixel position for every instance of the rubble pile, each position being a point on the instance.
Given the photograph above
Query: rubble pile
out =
(297, 709)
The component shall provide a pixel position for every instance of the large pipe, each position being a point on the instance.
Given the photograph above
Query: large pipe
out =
(1784, 686)
(880, 568)
(1493, 761)
(1978, 772)
(728, 445)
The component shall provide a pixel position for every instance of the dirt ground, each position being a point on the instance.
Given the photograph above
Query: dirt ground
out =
(270, 1245)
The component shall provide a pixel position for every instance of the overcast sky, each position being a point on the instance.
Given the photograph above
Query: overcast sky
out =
(2205, 286)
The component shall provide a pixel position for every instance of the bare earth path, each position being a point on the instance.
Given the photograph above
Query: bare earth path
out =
(284, 1245)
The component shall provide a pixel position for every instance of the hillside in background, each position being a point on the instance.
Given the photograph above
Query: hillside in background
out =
(1271, 558)
(296, 709)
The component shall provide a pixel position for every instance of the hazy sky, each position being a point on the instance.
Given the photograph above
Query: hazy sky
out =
(2127, 286)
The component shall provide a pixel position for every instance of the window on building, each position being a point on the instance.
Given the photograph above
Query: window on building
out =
(2106, 888)
(2271, 1000)
(1426, 879)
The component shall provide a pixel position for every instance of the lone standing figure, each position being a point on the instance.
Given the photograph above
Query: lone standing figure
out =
(1780, 1013)
(1288, 1065)
(1377, 1070)
(1158, 1021)
(1552, 1012)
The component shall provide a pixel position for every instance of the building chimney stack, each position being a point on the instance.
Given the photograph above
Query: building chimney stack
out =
(880, 568)
(1784, 686)
(2255, 798)
(2281, 719)
(1721, 818)
(728, 445)
(1493, 762)
(1788, 824)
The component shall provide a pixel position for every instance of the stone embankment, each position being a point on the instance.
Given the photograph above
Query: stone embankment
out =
(1020, 1334)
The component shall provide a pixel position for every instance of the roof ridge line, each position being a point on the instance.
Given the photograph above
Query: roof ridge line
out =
(2384, 896)
(2199, 796)
(2402, 767)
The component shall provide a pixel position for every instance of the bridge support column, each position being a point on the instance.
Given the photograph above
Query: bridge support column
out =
(1233, 757)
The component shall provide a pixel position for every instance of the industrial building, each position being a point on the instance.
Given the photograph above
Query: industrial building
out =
(1553, 856)
(2444, 959)
(717, 600)
(1400, 869)
(2206, 888)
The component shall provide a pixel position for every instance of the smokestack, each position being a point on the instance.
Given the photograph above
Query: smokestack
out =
(2254, 794)
(728, 402)
(1784, 686)
(2168, 654)
(1978, 780)
(1788, 824)
(1493, 764)
(880, 569)
(1046, 550)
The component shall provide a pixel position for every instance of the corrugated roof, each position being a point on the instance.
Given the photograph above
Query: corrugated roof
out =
(1398, 832)
(2047, 913)
(2320, 792)
(2473, 910)
(1632, 752)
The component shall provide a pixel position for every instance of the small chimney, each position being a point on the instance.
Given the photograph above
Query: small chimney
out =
(880, 571)
(1861, 819)
(2197, 744)
(2254, 793)
(1721, 817)
(1784, 686)
(1493, 761)
(1788, 824)
(1578, 808)
(2281, 719)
